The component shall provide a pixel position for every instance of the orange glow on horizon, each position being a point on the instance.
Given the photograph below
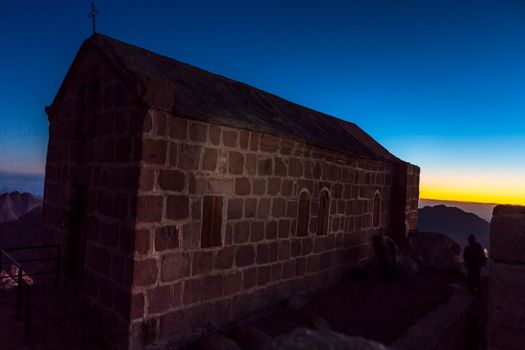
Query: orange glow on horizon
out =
(481, 189)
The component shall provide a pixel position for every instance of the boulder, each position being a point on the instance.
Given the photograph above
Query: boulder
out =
(436, 251)
(215, 342)
(251, 338)
(306, 339)
(297, 302)
(407, 267)
(385, 251)
(319, 323)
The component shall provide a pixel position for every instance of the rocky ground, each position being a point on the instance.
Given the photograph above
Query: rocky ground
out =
(374, 308)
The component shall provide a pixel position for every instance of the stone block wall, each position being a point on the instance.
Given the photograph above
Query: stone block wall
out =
(412, 197)
(178, 287)
(506, 301)
(105, 162)
(404, 204)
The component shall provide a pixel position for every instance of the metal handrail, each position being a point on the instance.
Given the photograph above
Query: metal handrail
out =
(21, 282)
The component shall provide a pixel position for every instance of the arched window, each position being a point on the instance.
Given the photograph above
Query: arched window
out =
(303, 214)
(324, 212)
(377, 210)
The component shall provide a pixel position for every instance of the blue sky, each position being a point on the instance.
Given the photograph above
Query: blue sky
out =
(439, 83)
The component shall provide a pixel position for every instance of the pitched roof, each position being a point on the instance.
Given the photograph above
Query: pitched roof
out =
(199, 94)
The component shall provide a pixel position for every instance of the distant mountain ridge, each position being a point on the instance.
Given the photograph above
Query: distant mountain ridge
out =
(14, 205)
(483, 210)
(453, 222)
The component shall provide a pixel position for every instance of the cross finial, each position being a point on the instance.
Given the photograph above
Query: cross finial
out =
(93, 15)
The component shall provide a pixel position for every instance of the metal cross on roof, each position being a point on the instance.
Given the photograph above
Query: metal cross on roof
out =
(93, 14)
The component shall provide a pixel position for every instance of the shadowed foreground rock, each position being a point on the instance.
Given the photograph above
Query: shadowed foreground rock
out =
(302, 338)
(506, 305)
(298, 339)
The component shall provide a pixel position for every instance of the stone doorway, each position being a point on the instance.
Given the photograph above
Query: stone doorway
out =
(77, 235)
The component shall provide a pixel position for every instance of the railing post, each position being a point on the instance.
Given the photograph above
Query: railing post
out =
(27, 317)
(19, 295)
(57, 272)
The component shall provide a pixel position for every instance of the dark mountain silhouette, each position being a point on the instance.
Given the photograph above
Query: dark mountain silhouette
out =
(26, 231)
(454, 222)
(14, 205)
(483, 210)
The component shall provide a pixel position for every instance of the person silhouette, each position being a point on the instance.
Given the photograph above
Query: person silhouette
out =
(474, 259)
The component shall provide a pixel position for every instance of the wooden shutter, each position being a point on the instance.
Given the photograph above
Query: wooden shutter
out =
(303, 216)
(211, 221)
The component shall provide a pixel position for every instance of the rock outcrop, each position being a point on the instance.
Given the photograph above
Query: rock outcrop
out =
(436, 251)
(14, 205)
(306, 339)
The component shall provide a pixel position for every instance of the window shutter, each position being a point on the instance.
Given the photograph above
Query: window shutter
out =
(211, 221)
(217, 221)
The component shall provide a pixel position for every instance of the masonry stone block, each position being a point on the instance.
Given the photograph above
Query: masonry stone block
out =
(145, 272)
(149, 208)
(257, 231)
(271, 230)
(235, 207)
(191, 236)
(251, 164)
(160, 299)
(259, 186)
(242, 186)
(209, 159)
(193, 289)
(166, 237)
(198, 132)
(224, 258)
(213, 287)
(172, 180)
(295, 167)
(507, 234)
(232, 283)
(189, 156)
(284, 250)
(263, 275)
(230, 138)
(249, 278)
(179, 128)
(236, 163)
(265, 166)
(506, 302)
(215, 135)
(175, 266)
(154, 151)
(263, 210)
(202, 263)
(281, 168)
(245, 255)
(177, 207)
(250, 207)
(142, 241)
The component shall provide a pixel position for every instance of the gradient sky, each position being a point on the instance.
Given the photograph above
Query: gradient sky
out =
(440, 83)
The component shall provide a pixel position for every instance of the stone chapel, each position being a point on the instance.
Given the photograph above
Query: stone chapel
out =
(182, 198)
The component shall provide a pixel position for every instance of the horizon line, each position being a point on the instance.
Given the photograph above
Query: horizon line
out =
(466, 201)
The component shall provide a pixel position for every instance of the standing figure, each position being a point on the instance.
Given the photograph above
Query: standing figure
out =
(474, 258)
